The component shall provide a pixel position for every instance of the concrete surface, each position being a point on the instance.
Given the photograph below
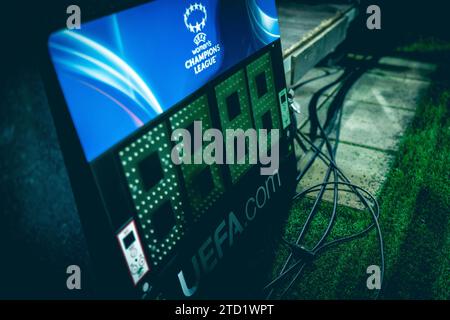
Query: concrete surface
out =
(369, 124)
(364, 167)
(377, 109)
(389, 90)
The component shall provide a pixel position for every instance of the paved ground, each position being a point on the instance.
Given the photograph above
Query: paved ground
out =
(376, 111)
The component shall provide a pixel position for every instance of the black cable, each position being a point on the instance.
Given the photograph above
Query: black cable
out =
(313, 211)
(331, 243)
(374, 215)
(325, 159)
(364, 232)
(300, 252)
(313, 158)
(319, 196)
(323, 247)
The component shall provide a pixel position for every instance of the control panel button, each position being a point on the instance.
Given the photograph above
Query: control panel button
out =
(133, 252)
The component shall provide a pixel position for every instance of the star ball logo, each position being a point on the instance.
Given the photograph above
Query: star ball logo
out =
(205, 53)
(196, 26)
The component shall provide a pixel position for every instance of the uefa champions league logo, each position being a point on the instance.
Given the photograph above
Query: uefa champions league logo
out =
(196, 26)
(205, 53)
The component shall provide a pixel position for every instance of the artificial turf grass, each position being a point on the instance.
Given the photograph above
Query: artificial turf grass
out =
(329, 268)
(418, 187)
(425, 45)
(414, 219)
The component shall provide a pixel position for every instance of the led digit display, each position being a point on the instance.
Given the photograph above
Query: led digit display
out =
(234, 111)
(263, 95)
(203, 183)
(158, 201)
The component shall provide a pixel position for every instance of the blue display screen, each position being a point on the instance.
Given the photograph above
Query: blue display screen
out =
(119, 72)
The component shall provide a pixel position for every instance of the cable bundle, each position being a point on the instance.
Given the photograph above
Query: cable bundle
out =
(300, 256)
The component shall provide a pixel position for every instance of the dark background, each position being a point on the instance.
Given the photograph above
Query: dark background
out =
(40, 233)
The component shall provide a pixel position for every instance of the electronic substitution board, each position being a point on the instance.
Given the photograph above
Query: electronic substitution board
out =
(126, 82)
